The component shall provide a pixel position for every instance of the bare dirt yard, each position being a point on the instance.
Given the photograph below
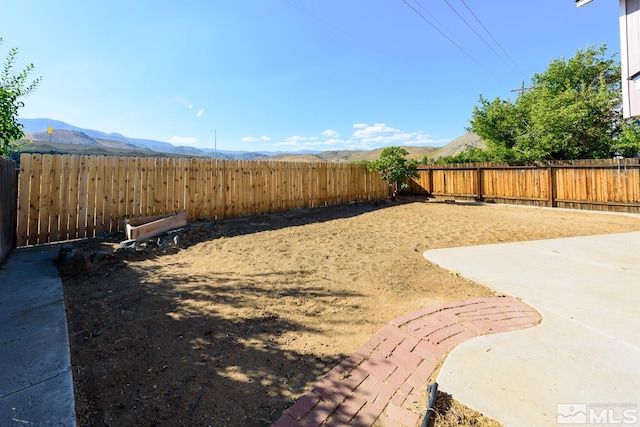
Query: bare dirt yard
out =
(246, 315)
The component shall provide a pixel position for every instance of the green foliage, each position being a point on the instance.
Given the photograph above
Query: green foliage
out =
(628, 143)
(13, 87)
(394, 167)
(498, 123)
(425, 160)
(568, 113)
(470, 155)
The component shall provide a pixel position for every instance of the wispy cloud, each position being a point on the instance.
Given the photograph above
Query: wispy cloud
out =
(368, 131)
(364, 137)
(253, 139)
(300, 145)
(298, 138)
(380, 135)
(183, 140)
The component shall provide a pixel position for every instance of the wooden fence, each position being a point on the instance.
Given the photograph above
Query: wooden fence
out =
(597, 185)
(64, 197)
(8, 201)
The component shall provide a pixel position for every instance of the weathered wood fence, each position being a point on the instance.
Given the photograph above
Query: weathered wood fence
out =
(64, 197)
(8, 194)
(595, 184)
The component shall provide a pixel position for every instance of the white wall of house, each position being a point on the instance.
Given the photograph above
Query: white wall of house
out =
(630, 56)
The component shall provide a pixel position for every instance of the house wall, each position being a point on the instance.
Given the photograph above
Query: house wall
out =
(630, 56)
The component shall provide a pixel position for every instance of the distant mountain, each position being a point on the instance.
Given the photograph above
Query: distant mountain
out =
(67, 138)
(72, 137)
(456, 146)
(461, 143)
(36, 127)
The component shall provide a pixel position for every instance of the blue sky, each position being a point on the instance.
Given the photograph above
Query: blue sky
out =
(288, 75)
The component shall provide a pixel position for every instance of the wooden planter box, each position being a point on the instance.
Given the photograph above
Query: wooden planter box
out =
(140, 229)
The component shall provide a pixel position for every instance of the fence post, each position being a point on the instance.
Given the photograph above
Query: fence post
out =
(14, 224)
(8, 203)
(479, 184)
(551, 179)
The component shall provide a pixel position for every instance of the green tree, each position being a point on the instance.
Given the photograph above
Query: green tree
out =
(470, 155)
(499, 123)
(568, 113)
(628, 142)
(394, 167)
(13, 87)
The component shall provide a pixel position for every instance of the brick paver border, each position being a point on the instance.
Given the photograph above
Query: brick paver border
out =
(384, 378)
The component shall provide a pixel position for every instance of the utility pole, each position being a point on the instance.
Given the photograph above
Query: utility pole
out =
(521, 90)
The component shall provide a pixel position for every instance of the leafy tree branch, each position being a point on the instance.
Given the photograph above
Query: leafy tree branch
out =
(13, 87)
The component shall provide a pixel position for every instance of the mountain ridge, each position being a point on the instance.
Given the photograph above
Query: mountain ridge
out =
(67, 138)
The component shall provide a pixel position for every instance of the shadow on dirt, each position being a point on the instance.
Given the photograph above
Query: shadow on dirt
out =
(191, 349)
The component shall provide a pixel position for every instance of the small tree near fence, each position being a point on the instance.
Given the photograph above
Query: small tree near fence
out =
(394, 167)
(13, 87)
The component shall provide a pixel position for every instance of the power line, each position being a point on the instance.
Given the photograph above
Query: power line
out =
(328, 23)
(517, 70)
(453, 42)
(447, 37)
(493, 38)
(353, 36)
(434, 18)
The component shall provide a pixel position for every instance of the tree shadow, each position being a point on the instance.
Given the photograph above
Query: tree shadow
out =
(196, 349)
(200, 231)
(186, 348)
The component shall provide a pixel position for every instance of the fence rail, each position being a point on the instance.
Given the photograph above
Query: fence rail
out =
(8, 200)
(64, 197)
(597, 185)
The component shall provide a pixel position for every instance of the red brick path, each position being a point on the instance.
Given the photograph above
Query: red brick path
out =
(384, 378)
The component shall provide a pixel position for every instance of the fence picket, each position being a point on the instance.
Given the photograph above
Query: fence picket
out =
(46, 192)
(83, 194)
(54, 200)
(34, 204)
(24, 185)
(101, 195)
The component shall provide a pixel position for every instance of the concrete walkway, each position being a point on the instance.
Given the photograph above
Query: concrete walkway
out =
(386, 378)
(582, 364)
(36, 388)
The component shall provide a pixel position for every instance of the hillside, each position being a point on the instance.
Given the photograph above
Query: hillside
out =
(67, 138)
(46, 147)
(460, 144)
(456, 146)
